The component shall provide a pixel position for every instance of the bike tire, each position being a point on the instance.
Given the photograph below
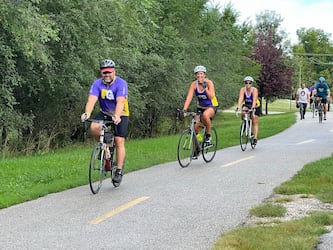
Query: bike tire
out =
(97, 170)
(243, 138)
(209, 150)
(185, 149)
(320, 113)
(251, 135)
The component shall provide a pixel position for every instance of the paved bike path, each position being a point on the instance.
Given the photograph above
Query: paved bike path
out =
(165, 206)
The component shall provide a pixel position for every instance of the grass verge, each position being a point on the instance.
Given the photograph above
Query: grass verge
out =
(315, 179)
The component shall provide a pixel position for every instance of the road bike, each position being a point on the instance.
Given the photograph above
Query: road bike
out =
(320, 109)
(192, 144)
(246, 130)
(102, 157)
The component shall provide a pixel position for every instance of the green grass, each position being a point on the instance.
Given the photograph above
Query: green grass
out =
(315, 178)
(268, 210)
(297, 234)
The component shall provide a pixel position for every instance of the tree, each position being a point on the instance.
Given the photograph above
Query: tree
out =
(24, 35)
(316, 48)
(275, 76)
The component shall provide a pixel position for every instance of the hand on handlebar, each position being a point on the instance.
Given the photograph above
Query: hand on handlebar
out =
(85, 116)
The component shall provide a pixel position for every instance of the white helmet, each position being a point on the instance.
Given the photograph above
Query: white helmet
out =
(199, 68)
(248, 78)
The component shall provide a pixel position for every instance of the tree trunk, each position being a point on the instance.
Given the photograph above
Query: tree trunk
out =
(3, 136)
(266, 106)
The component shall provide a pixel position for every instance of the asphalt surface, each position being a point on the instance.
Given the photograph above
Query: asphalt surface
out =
(166, 206)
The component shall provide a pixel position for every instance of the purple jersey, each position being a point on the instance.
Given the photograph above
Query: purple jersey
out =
(202, 99)
(108, 93)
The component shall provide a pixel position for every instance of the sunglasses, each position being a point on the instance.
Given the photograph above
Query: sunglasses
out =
(106, 72)
(248, 82)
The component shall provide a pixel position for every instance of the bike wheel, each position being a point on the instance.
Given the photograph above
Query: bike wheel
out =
(209, 149)
(185, 148)
(243, 138)
(320, 113)
(96, 169)
(250, 129)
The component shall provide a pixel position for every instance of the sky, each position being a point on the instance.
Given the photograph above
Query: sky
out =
(296, 14)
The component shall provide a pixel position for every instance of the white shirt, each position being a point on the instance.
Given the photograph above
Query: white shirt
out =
(303, 95)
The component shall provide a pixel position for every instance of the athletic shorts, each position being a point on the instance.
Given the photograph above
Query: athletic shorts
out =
(120, 128)
(257, 112)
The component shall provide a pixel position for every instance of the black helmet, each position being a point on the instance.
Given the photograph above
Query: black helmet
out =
(107, 63)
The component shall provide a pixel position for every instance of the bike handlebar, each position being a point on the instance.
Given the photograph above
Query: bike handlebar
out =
(187, 113)
(105, 122)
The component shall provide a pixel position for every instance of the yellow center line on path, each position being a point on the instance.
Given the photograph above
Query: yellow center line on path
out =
(118, 210)
(238, 161)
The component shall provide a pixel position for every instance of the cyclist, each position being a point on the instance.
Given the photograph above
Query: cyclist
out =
(111, 91)
(302, 98)
(207, 103)
(249, 95)
(322, 90)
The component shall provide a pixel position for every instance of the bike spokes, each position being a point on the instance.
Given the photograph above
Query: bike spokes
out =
(97, 170)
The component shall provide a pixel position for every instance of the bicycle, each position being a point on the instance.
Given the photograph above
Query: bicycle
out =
(101, 160)
(320, 109)
(191, 144)
(246, 131)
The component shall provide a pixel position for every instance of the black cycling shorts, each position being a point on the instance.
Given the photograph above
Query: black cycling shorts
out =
(120, 129)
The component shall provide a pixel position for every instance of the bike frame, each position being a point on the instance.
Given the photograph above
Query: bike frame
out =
(246, 127)
(193, 132)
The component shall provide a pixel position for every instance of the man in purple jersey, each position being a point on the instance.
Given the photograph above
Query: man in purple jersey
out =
(111, 92)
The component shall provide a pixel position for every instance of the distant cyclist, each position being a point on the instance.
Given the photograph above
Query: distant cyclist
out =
(249, 95)
(302, 98)
(322, 90)
(207, 103)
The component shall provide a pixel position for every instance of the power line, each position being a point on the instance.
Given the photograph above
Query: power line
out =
(312, 54)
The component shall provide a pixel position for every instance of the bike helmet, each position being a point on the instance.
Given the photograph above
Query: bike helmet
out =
(199, 68)
(248, 78)
(107, 63)
(321, 79)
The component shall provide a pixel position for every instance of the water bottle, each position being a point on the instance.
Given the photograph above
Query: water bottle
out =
(108, 153)
(199, 137)
(107, 165)
(107, 157)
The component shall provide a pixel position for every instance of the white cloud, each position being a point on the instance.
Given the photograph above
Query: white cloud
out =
(296, 14)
